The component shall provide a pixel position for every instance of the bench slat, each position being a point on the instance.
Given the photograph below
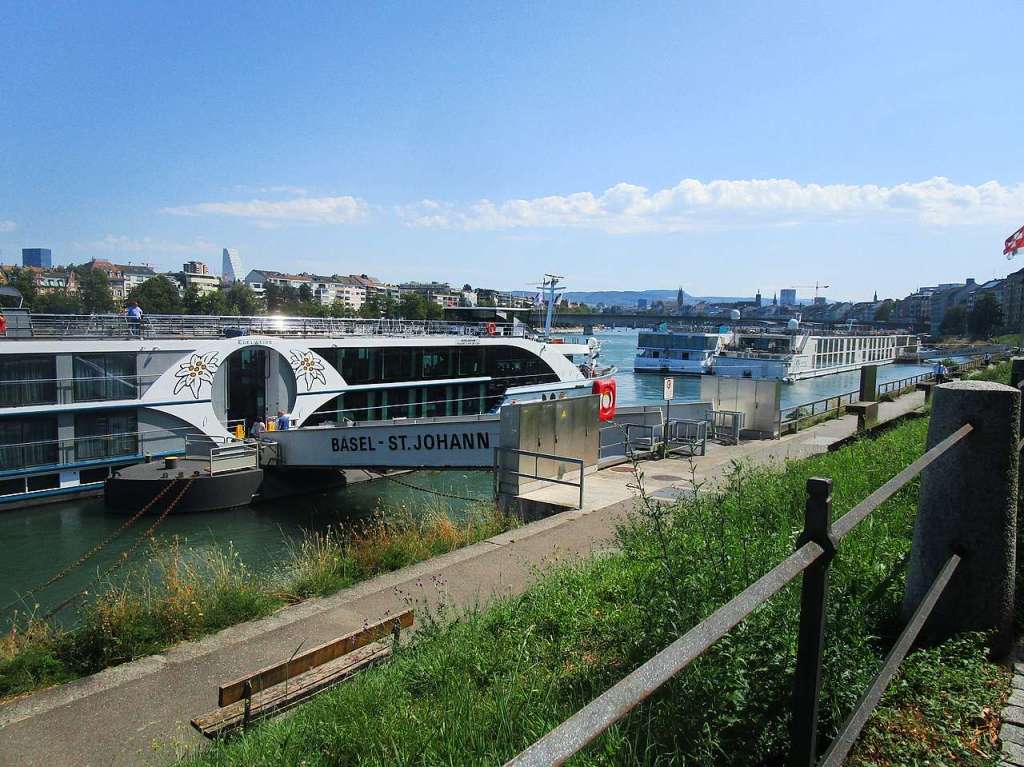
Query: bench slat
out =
(284, 695)
(232, 692)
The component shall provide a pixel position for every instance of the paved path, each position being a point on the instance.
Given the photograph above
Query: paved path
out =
(1012, 731)
(138, 713)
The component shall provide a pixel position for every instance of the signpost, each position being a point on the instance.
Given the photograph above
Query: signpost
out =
(669, 385)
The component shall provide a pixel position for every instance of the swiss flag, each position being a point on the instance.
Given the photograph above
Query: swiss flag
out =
(1013, 243)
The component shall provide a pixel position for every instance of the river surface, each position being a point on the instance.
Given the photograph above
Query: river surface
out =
(37, 542)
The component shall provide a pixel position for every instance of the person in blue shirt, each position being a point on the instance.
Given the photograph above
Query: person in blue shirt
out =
(134, 317)
(282, 421)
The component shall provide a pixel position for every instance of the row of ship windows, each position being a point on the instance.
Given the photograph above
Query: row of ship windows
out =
(33, 441)
(848, 358)
(32, 379)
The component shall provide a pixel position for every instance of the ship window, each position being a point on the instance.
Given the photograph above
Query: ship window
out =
(397, 364)
(471, 361)
(28, 442)
(44, 482)
(27, 380)
(105, 376)
(88, 476)
(104, 435)
(437, 362)
(12, 486)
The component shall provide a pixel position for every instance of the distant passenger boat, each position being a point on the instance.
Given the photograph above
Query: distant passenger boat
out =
(794, 354)
(678, 353)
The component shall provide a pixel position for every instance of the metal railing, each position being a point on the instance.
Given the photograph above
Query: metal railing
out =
(201, 326)
(725, 424)
(234, 456)
(794, 415)
(815, 549)
(500, 470)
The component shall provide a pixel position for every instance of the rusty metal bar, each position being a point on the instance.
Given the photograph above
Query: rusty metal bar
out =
(856, 515)
(810, 648)
(852, 727)
(583, 727)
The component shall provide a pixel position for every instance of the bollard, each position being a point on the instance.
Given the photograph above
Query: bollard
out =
(968, 505)
(869, 383)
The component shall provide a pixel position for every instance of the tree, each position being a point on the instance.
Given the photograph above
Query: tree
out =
(372, 307)
(953, 321)
(884, 312)
(25, 281)
(985, 317)
(157, 295)
(242, 299)
(413, 306)
(94, 292)
(305, 293)
(192, 300)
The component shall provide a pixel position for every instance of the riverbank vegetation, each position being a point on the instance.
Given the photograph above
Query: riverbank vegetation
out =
(181, 593)
(476, 687)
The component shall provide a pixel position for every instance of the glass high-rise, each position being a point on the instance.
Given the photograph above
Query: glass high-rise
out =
(231, 267)
(40, 257)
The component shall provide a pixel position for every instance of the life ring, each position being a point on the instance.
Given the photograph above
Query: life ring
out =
(3, 325)
(605, 389)
(492, 329)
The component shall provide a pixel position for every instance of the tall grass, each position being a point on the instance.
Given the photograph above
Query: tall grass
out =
(479, 689)
(182, 593)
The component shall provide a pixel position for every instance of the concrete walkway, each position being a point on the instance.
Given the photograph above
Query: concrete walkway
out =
(138, 713)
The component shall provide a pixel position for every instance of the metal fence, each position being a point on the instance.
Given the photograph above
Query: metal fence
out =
(816, 547)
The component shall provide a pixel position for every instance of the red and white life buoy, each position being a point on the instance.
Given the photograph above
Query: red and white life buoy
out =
(3, 325)
(605, 389)
(492, 329)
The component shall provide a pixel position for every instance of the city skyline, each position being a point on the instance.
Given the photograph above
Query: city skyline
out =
(725, 149)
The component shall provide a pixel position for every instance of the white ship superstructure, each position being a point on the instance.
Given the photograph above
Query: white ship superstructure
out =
(678, 353)
(81, 396)
(796, 354)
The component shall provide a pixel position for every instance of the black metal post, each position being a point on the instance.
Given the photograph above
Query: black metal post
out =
(811, 637)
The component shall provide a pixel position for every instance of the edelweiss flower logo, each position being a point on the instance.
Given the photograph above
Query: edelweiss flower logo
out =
(308, 369)
(192, 374)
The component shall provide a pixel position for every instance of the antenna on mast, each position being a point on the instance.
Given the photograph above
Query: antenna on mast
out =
(550, 285)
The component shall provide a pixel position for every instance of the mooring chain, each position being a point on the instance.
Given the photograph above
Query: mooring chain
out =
(93, 551)
(127, 554)
(428, 490)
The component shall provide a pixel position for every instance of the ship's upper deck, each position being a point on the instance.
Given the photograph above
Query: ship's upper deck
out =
(167, 326)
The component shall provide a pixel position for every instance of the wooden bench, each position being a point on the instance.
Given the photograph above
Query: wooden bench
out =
(867, 413)
(278, 687)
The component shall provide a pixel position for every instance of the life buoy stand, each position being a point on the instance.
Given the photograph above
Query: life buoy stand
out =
(3, 325)
(605, 389)
(492, 329)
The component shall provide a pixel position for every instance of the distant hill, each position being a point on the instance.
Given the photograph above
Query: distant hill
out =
(630, 297)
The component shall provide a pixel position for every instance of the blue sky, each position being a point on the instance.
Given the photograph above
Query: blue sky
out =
(627, 146)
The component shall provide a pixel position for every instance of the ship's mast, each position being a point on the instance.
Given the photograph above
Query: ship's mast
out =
(550, 284)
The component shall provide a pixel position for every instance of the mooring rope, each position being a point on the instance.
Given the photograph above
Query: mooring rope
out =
(127, 555)
(93, 551)
(440, 493)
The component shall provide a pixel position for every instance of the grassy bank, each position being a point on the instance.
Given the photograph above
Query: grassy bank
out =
(180, 593)
(478, 689)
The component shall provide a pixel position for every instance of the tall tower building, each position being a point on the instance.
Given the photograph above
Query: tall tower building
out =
(231, 267)
(39, 257)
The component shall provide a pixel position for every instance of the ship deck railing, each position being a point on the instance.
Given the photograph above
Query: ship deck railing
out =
(201, 326)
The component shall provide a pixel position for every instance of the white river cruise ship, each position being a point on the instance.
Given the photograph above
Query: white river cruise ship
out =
(81, 396)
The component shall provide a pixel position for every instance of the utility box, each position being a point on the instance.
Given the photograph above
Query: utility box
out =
(868, 383)
(565, 428)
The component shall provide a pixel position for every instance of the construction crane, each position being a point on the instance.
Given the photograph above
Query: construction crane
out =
(817, 286)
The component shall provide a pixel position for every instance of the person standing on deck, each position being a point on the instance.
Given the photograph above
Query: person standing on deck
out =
(134, 317)
(282, 421)
(258, 428)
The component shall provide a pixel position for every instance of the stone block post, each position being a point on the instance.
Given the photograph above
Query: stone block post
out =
(869, 383)
(968, 505)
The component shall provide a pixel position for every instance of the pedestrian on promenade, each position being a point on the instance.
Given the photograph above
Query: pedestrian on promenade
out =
(134, 314)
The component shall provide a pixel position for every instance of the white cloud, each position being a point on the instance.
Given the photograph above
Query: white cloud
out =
(311, 210)
(695, 205)
(119, 243)
(7, 226)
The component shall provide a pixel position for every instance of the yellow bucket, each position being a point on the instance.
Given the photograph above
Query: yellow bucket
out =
(271, 424)
(239, 431)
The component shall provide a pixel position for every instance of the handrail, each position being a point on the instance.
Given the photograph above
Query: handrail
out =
(844, 741)
(587, 724)
(856, 515)
(499, 470)
(583, 727)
